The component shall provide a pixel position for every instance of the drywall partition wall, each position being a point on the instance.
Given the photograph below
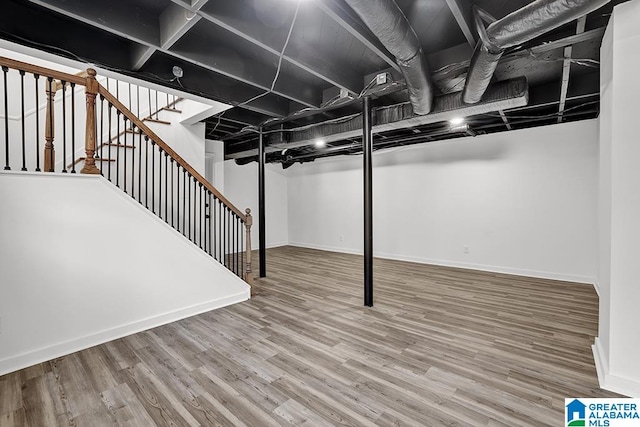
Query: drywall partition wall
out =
(82, 263)
(618, 344)
(241, 188)
(519, 202)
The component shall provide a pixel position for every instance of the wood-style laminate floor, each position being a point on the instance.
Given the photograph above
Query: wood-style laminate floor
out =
(441, 346)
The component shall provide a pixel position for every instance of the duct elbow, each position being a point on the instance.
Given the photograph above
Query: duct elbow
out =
(416, 73)
(483, 65)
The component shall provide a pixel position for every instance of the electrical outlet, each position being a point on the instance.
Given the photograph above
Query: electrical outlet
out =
(465, 249)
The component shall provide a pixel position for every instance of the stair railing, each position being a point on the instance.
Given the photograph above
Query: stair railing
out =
(155, 174)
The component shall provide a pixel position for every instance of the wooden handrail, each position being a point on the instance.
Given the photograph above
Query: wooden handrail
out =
(42, 71)
(151, 134)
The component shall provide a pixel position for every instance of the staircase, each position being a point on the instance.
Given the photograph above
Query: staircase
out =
(103, 136)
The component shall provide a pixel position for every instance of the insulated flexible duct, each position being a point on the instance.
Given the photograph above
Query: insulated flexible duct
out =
(524, 24)
(385, 19)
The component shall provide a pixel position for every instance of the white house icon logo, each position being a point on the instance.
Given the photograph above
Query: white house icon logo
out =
(576, 413)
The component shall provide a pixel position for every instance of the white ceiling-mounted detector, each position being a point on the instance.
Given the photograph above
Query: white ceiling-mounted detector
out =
(177, 71)
(381, 79)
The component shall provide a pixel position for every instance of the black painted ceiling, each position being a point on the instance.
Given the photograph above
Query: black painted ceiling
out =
(232, 51)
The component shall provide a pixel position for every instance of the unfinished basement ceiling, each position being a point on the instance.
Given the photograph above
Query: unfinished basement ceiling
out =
(232, 51)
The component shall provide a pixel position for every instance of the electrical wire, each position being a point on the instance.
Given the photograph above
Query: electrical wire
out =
(275, 77)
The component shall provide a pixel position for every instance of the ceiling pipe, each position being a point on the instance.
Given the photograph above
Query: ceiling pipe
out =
(386, 20)
(529, 22)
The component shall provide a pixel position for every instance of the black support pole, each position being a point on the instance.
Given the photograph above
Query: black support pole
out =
(367, 149)
(261, 208)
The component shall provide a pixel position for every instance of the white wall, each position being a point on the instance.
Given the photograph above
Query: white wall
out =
(81, 263)
(523, 202)
(241, 188)
(618, 344)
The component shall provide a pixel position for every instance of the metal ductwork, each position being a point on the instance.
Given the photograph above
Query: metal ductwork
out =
(529, 22)
(385, 19)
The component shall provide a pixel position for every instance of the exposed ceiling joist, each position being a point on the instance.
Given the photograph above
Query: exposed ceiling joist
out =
(343, 79)
(175, 21)
(338, 11)
(461, 10)
(566, 68)
(117, 21)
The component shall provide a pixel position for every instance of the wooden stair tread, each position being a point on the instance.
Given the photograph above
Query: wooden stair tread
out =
(107, 144)
(149, 119)
(82, 159)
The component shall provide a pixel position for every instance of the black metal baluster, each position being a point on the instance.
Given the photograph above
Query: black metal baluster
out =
(237, 243)
(37, 77)
(64, 126)
(160, 151)
(129, 83)
(133, 160)
(146, 171)
(5, 70)
(242, 248)
(172, 172)
(213, 225)
(109, 140)
(208, 236)
(24, 142)
(117, 147)
(102, 131)
(150, 111)
(140, 165)
(166, 187)
(200, 219)
(184, 202)
(230, 237)
(167, 99)
(225, 253)
(189, 206)
(51, 127)
(220, 228)
(156, 105)
(195, 201)
(73, 128)
(178, 168)
(153, 176)
(124, 150)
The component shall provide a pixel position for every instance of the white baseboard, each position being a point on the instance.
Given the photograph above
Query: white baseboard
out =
(596, 286)
(470, 266)
(609, 381)
(34, 357)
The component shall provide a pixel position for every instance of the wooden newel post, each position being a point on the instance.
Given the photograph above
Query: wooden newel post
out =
(248, 275)
(90, 128)
(49, 150)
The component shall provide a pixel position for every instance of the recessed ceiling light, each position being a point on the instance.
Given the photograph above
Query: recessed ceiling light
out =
(457, 121)
(320, 143)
